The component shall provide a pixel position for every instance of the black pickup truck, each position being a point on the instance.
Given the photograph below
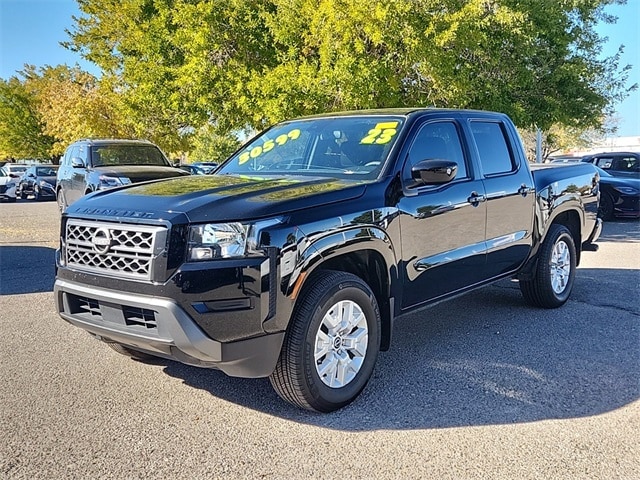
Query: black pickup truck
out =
(293, 260)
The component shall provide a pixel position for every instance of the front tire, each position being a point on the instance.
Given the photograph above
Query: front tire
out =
(332, 344)
(62, 203)
(553, 277)
(606, 209)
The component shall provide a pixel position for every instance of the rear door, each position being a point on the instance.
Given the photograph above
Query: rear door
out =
(510, 193)
(443, 232)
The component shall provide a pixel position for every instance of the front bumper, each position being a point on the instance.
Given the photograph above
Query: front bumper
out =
(44, 192)
(7, 192)
(161, 327)
(627, 206)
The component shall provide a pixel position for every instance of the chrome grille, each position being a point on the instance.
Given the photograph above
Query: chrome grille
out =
(115, 249)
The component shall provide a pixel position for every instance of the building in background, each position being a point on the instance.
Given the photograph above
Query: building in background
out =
(611, 144)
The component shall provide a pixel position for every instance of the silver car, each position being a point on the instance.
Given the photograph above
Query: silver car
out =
(8, 182)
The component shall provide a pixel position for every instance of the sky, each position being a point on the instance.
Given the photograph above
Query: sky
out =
(31, 32)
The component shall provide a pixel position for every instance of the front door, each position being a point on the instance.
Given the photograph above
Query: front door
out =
(442, 227)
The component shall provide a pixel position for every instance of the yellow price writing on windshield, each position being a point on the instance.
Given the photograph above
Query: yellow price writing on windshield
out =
(382, 133)
(267, 146)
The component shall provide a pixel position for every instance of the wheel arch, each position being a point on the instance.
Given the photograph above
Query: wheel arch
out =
(366, 253)
(572, 221)
(569, 218)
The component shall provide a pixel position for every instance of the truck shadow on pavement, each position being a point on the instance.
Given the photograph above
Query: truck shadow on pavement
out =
(26, 269)
(484, 359)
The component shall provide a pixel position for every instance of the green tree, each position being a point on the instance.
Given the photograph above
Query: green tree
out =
(21, 125)
(207, 144)
(559, 138)
(247, 63)
(75, 104)
(46, 109)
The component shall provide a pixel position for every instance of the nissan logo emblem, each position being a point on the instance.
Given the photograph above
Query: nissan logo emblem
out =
(101, 240)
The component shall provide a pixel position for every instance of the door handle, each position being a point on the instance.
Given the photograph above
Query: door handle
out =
(475, 199)
(523, 190)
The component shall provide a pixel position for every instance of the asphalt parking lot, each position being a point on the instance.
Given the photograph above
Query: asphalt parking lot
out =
(479, 387)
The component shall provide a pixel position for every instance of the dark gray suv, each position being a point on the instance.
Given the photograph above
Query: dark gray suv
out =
(98, 164)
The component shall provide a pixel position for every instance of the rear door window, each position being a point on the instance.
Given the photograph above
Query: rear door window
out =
(493, 149)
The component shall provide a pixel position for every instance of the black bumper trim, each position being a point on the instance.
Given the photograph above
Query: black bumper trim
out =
(176, 335)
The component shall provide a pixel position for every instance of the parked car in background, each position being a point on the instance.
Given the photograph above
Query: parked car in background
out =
(617, 163)
(208, 167)
(192, 169)
(16, 168)
(90, 165)
(8, 185)
(619, 196)
(564, 159)
(39, 181)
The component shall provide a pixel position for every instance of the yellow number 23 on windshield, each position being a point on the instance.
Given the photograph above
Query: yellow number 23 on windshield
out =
(381, 134)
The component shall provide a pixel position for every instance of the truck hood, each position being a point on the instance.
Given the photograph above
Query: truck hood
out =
(140, 173)
(217, 198)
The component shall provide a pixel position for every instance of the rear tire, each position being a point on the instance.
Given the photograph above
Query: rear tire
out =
(331, 345)
(553, 277)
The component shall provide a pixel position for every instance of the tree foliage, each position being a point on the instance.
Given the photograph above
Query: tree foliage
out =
(559, 139)
(21, 126)
(253, 62)
(74, 104)
(46, 109)
(208, 145)
(173, 69)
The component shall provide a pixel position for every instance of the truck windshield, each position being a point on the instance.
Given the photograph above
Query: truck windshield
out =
(107, 155)
(342, 147)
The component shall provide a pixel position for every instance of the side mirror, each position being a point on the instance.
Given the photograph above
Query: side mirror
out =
(76, 162)
(434, 171)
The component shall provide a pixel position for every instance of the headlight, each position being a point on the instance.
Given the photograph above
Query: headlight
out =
(628, 190)
(217, 240)
(110, 182)
(44, 184)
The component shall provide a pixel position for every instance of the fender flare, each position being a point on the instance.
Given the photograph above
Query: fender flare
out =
(341, 242)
